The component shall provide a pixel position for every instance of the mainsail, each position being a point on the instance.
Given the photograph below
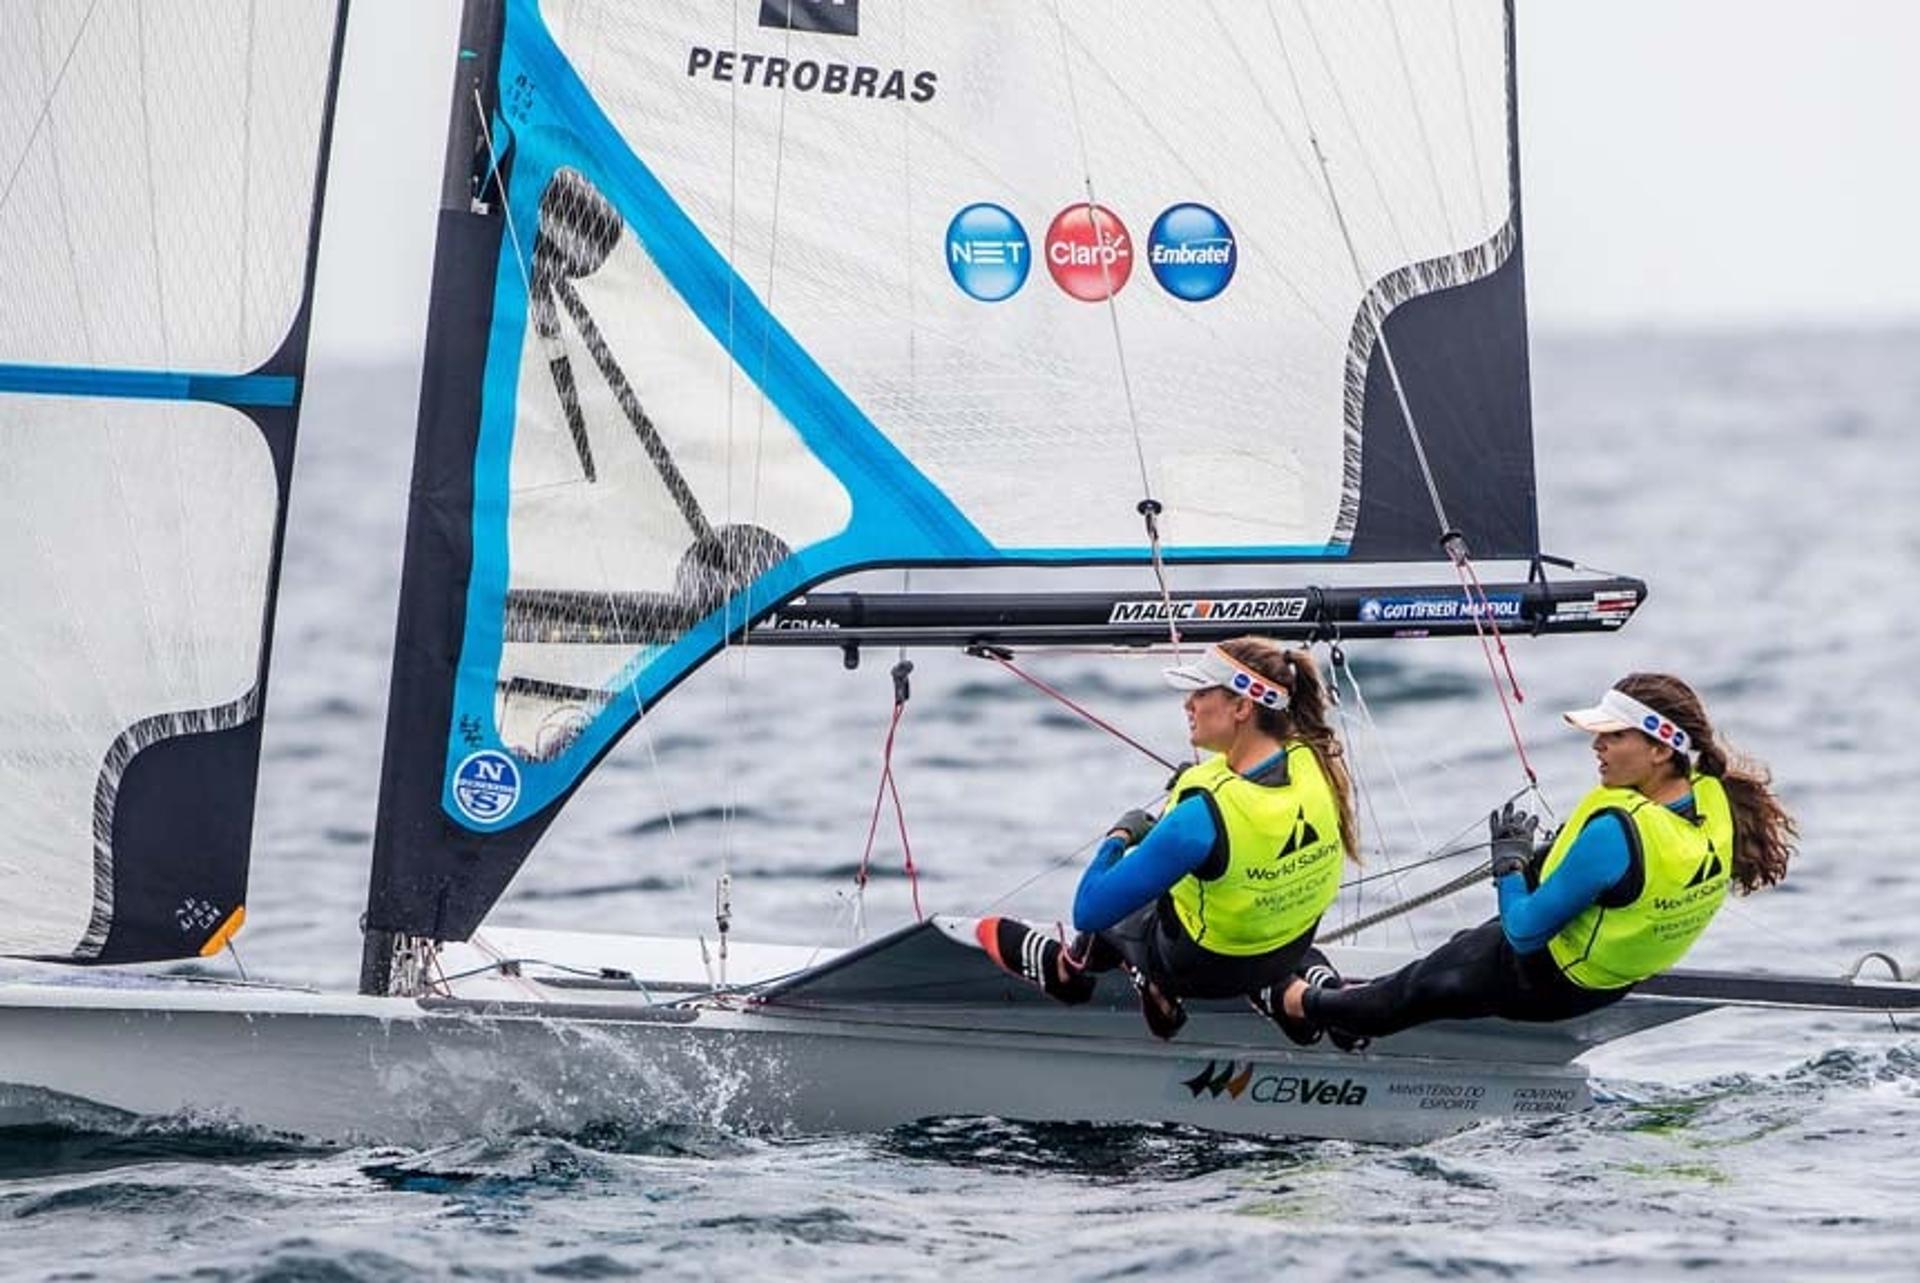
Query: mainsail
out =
(734, 299)
(159, 184)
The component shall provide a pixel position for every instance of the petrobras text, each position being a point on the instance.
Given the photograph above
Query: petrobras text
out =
(808, 75)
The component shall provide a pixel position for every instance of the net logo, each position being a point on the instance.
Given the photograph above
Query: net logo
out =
(988, 253)
(486, 786)
(1191, 252)
(1089, 252)
(829, 17)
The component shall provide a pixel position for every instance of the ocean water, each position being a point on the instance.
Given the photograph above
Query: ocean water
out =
(1763, 484)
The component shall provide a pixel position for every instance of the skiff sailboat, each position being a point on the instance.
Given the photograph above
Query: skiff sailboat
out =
(732, 299)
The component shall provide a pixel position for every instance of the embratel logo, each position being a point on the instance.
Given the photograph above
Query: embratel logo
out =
(1191, 252)
(486, 786)
(830, 17)
(988, 252)
(1089, 253)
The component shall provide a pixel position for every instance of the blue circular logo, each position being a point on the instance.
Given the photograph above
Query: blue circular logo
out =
(486, 785)
(1192, 253)
(1370, 611)
(988, 253)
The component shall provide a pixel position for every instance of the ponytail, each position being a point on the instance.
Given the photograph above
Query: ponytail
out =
(1304, 719)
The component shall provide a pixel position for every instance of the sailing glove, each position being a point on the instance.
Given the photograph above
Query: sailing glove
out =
(1134, 824)
(1512, 832)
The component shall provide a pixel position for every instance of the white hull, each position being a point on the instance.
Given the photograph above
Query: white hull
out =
(517, 1055)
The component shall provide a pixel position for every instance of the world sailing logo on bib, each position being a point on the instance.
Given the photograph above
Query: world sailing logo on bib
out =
(486, 785)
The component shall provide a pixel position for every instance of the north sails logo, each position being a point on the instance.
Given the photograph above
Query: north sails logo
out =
(1227, 609)
(829, 17)
(1234, 1080)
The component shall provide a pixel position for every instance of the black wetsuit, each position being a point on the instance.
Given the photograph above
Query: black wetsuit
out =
(1153, 942)
(1477, 973)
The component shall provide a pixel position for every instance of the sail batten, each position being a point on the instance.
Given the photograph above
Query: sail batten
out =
(152, 385)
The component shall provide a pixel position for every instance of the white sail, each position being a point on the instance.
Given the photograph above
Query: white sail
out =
(157, 186)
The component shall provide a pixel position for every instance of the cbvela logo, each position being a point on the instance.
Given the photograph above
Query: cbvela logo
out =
(987, 252)
(486, 786)
(1266, 610)
(1191, 252)
(1436, 610)
(1089, 252)
(829, 17)
(1233, 1080)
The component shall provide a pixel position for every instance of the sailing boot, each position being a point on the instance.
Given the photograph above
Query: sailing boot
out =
(1033, 956)
(1165, 1015)
(1321, 974)
(1303, 1033)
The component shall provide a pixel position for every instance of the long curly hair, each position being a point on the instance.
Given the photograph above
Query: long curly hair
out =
(1763, 831)
(1304, 719)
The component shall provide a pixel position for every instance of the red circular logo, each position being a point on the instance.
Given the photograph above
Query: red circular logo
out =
(1089, 253)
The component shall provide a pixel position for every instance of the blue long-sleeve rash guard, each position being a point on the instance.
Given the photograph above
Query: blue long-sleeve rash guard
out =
(1598, 859)
(1179, 842)
(1121, 880)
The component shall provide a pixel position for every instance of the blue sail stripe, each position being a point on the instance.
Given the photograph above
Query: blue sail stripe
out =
(150, 385)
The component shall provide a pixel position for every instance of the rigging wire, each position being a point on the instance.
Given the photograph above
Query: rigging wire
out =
(1369, 298)
(1338, 663)
(1149, 506)
(1005, 660)
(723, 909)
(889, 788)
(1452, 542)
(46, 106)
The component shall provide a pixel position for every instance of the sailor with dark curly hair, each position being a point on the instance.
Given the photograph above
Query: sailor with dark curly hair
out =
(1625, 889)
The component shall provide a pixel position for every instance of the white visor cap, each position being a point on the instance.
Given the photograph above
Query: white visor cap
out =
(1618, 711)
(1217, 668)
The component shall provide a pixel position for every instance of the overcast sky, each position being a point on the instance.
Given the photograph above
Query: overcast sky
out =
(1684, 162)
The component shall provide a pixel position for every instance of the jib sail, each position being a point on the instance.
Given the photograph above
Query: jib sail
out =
(159, 185)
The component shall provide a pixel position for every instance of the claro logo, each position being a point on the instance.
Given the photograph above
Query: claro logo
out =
(1235, 1080)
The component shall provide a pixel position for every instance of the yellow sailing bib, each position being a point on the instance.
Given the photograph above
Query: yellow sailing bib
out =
(1283, 856)
(1687, 866)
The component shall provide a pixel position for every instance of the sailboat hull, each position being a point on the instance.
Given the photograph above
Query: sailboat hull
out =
(391, 1070)
(826, 1049)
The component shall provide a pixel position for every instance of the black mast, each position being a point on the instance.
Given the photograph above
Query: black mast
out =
(439, 540)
